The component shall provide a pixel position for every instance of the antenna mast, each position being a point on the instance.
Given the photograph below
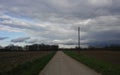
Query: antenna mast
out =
(79, 37)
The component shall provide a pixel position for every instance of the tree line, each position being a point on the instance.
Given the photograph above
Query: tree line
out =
(34, 47)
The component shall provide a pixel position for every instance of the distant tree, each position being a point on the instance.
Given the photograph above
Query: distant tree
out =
(12, 47)
(38, 47)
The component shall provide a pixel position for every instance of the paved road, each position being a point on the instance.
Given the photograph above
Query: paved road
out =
(61, 64)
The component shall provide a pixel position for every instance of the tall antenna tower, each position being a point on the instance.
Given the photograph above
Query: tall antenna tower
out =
(79, 37)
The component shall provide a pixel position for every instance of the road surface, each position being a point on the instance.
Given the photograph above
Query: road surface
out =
(61, 64)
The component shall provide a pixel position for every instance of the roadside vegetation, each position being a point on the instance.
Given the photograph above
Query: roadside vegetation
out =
(102, 67)
(30, 67)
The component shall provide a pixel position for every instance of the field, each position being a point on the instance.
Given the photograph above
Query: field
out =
(108, 56)
(9, 60)
(104, 62)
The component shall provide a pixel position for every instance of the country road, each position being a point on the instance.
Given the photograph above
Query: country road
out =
(61, 64)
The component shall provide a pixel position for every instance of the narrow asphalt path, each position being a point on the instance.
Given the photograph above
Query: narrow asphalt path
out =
(61, 64)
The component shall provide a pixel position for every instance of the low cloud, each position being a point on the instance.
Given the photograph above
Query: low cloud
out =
(65, 42)
(20, 39)
(3, 38)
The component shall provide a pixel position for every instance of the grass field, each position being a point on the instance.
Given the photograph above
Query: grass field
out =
(10, 60)
(31, 67)
(108, 56)
(101, 61)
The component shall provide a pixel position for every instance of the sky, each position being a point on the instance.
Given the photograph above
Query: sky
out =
(56, 22)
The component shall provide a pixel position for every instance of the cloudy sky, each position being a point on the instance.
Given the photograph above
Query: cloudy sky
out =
(56, 22)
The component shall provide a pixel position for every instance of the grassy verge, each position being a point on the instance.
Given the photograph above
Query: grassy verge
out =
(30, 68)
(99, 66)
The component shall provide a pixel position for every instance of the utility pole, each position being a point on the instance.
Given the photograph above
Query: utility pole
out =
(78, 37)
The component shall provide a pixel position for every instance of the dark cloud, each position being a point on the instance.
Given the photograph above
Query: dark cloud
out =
(21, 39)
(46, 9)
(3, 38)
(32, 41)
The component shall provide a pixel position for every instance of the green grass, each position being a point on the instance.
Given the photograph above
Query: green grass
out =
(30, 68)
(100, 66)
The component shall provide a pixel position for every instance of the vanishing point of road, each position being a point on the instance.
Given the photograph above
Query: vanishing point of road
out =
(61, 64)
